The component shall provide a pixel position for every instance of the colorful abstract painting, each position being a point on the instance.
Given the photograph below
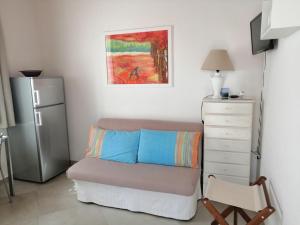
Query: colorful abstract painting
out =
(138, 56)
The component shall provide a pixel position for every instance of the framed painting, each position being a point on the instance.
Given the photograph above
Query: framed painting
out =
(140, 57)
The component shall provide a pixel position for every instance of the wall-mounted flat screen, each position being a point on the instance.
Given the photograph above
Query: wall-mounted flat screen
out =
(258, 45)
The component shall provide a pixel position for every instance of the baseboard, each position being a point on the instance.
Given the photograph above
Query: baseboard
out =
(72, 162)
(276, 218)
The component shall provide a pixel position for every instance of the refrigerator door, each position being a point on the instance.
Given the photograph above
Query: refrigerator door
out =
(22, 137)
(47, 91)
(52, 137)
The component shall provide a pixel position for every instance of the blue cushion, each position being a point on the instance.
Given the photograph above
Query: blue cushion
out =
(121, 146)
(157, 147)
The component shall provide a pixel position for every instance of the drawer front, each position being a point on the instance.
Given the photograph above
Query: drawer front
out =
(227, 108)
(227, 145)
(228, 120)
(227, 157)
(227, 169)
(227, 133)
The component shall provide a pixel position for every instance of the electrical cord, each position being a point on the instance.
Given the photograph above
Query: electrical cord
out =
(202, 108)
(261, 111)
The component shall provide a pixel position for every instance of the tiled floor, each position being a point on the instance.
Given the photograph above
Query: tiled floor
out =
(55, 203)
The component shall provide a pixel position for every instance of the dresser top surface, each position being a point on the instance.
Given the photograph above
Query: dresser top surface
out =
(244, 99)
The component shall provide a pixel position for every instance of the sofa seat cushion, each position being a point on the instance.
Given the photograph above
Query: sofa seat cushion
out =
(157, 178)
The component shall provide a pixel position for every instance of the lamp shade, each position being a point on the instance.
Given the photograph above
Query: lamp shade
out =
(217, 59)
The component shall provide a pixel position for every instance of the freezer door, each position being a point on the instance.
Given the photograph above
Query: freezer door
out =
(51, 129)
(47, 91)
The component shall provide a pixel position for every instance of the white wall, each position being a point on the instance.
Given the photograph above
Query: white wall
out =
(281, 133)
(18, 19)
(73, 46)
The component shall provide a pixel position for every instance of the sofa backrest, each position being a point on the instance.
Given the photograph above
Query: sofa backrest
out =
(135, 124)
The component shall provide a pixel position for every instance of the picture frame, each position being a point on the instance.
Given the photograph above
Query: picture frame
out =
(140, 57)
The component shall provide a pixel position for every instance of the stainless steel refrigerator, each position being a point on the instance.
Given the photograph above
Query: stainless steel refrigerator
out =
(39, 141)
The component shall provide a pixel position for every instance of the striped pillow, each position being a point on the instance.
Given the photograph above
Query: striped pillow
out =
(173, 148)
(95, 142)
(187, 149)
(114, 145)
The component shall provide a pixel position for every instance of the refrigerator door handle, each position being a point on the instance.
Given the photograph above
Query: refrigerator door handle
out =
(38, 118)
(36, 98)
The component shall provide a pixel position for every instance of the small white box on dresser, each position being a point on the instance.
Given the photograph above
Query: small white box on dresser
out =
(227, 139)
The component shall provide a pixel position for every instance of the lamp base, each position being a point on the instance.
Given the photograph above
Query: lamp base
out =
(217, 83)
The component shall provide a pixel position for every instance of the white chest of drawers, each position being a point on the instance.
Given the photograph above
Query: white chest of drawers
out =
(227, 139)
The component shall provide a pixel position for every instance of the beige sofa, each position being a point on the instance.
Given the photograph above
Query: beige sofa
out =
(156, 189)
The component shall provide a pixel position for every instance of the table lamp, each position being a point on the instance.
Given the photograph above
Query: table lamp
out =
(217, 60)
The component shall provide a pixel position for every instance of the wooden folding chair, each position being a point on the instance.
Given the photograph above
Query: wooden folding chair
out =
(238, 197)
